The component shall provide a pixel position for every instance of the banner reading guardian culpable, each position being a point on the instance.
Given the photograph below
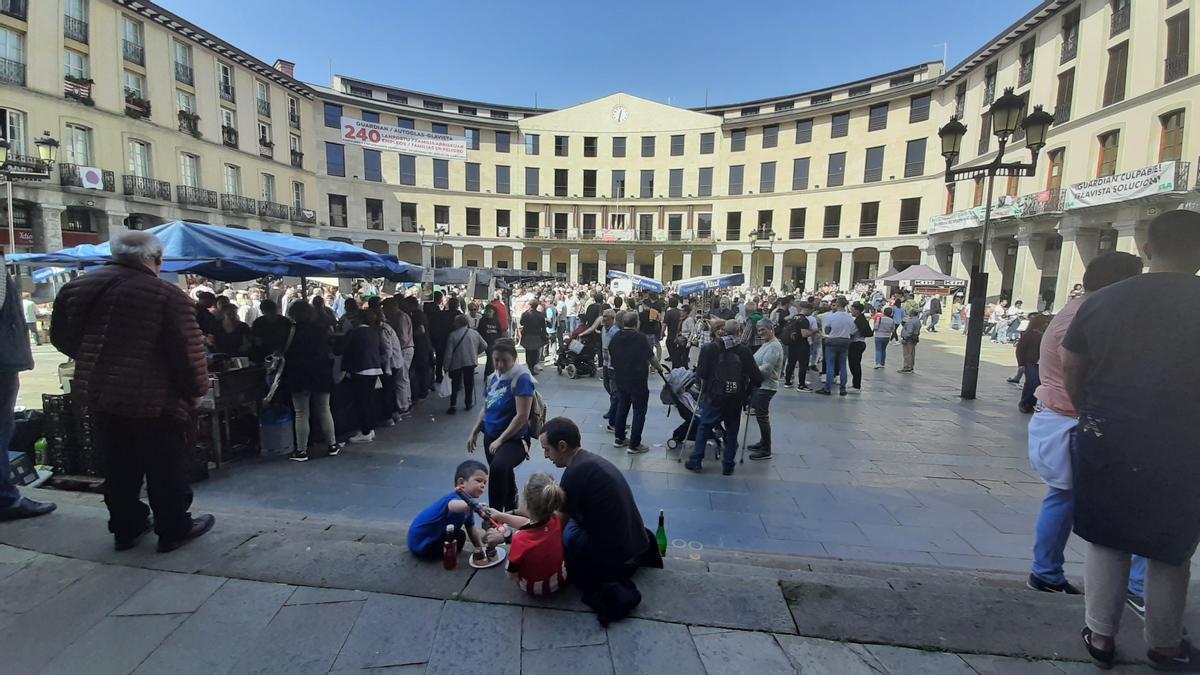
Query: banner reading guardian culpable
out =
(1144, 182)
(406, 141)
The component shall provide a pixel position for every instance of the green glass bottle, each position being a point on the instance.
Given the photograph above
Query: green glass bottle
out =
(661, 535)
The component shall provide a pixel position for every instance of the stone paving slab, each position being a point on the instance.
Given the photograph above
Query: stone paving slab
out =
(300, 639)
(713, 599)
(554, 629)
(584, 660)
(476, 637)
(170, 594)
(738, 652)
(638, 646)
(826, 657)
(391, 630)
(115, 645)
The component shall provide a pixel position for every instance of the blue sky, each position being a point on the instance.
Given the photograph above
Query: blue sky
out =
(569, 51)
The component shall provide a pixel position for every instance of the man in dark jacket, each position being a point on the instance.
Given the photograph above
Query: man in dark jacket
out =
(140, 366)
(631, 356)
(727, 373)
(269, 333)
(15, 357)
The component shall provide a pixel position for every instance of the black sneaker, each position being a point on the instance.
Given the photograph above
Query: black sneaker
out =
(1137, 603)
(824, 392)
(754, 446)
(638, 449)
(1186, 661)
(1104, 660)
(761, 453)
(727, 470)
(692, 466)
(620, 443)
(450, 410)
(299, 456)
(610, 428)
(1038, 584)
(803, 387)
(335, 449)
(842, 393)
(200, 527)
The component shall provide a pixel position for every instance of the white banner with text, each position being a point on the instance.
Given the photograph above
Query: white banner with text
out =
(1144, 182)
(406, 141)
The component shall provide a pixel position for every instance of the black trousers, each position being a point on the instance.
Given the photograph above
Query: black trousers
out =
(854, 357)
(462, 379)
(387, 404)
(679, 354)
(797, 355)
(533, 357)
(155, 449)
(502, 477)
(362, 387)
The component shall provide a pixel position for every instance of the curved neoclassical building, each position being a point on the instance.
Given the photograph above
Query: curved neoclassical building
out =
(835, 184)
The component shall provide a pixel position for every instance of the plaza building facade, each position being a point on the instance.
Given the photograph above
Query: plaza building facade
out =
(157, 120)
(839, 184)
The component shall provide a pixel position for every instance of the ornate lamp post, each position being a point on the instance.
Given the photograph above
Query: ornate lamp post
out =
(1006, 117)
(21, 168)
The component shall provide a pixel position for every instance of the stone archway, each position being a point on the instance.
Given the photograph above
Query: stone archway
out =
(411, 252)
(376, 246)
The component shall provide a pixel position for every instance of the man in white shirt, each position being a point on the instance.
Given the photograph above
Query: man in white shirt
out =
(571, 312)
(837, 327)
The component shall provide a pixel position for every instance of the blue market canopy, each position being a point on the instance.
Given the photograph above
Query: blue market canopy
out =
(709, 283)
(643, 283)
(230, 254)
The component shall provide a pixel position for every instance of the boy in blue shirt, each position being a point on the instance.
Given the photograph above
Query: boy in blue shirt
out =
(428, 529)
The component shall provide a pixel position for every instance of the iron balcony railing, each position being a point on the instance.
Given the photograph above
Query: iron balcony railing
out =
(68, 174)
(183, 73)
(1175, 67)
(12, 72)
(1069, 46)
(297, 159)
(264, 107)
(273, 210)
(1062, 112)
(294, 119)
(25, 165)
(239, 204)
(150, 188)
(194, 196)
(1120, 21)
(75, 29)
(266, 148)
(14, 8)
(134, 53)
(229, 136)
(226, 91)
(1025, 74)
(299, 215)
(1183, 172)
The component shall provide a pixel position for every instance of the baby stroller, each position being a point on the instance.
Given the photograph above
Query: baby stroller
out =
(681, 390)
(576, 357)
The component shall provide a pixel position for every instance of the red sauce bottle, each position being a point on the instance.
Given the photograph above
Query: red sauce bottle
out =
(449, 549)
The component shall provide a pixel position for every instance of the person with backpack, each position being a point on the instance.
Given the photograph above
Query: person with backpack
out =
(727, 373)
(796, 335)
(505, 419)
(858, 344)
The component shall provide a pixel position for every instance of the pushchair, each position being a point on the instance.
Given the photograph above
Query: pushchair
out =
(681, 390)
(576, 356)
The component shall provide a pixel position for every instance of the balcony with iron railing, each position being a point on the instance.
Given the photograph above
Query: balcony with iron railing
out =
(75, 29)
(1025, 71)
(1047, 202)
(273, 210)
(189, 123)
(18, 9)
(136, 106)
(187, 195)
(69, 175)
(24, 164)
(229, 136)
(78, 89)
(293, 119)
(266, 148)
(297, 159)
(1070, 46)
(225, 89)
(150, 188)
(1120, 21)
(264, 107)
(1062, 112)
(1175, 67)
(12, 72)
(239, 204)
(134, 52)
(301, 215)
(183, 73)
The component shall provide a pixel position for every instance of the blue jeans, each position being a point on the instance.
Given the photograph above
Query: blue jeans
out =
(933, 322)
(572, 324)
(635, 396)
(1137, 576)
(1053, 529)
(9, 383)
(575, 541)
(711, 414)
(836, 359)
(1001, 334)
(1032, 381)
(954, 321)
(881, 345)
(611, 384)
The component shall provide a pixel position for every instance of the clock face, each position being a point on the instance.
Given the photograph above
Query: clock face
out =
(620, 114)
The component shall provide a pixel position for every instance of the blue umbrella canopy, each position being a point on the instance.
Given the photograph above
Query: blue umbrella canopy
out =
(230, 254)
(709, 283)
(644, 283)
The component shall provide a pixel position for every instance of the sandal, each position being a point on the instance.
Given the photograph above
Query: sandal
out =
(1104, 660)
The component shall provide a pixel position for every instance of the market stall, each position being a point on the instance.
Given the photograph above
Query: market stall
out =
(924, 280)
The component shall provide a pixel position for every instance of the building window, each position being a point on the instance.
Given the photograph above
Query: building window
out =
(441, 218)
(225, 84)
(472, 171)
(439, 129)
(1170, 144)
(135, 84)
(645, 226)
(900, 80)
(532, 227)
(1177, 47)
(1054, 171)
(467, 110)
(297, 195)
(918, 108)
(531, 181)
(293, 112)
(766, 218)
(618, 146)
(431, 105)
(840, 125)
(804, 131)
(531, 144)
(1070, 35)
(233, 180)
(372, 165)
(735, 179)
(704, 226)
(503, 179)
(770, 136)
(675, 183)
(503, 223)
(134, 43)
(737, 140)
(374, 214)
(704, 186)
(874, 165)
(75, 64)
(589, 182)
(589, 146)
(441, 174)
(989, 83)
(1066, 92)
(473, 221)
(820, 99)
(878, 117)
(185, 102)
(337, 210)
(78, 145)
(406, 123)
(1025, 63)
(1109, 145)
(618, 183)
(189, 170)
(1114, 79)
(796, 223)
(139, 158)
(860, 90)
(985, 133)
(868, 219)
(960, 100)
(561, 146)
(837, 170)
(677, 144)
(800, 173)
(408, 217)
(370, 116)
(1012, 186)
(560, 225)
(12, 57)
(365, 92)
(832, 226)
(503, 141)
(910, 215)
(785, 105)
(408, 170)
(647, 146)
(561, 182)
(733, 226)
(647, 184)
(977, 197)
(707, 143)
(333, 116)
(914, 158)
(766, 177)
(268, 184)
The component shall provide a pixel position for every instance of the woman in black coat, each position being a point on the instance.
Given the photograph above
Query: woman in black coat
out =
(421, 374)
(308, 376)
(489, 328)
(363, 358)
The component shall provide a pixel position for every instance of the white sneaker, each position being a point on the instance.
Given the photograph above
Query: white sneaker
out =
(361, 438)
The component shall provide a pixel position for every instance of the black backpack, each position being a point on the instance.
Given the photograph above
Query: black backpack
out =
(730, 379)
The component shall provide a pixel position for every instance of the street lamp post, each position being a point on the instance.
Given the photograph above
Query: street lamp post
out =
(23, 170)
(1006, 117)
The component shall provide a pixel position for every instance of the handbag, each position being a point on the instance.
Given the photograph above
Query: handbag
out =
(275, 364)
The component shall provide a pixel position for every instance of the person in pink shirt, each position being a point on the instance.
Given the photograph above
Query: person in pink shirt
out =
(1051, 427)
